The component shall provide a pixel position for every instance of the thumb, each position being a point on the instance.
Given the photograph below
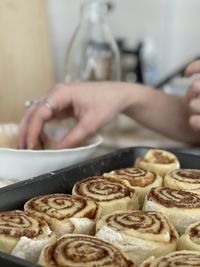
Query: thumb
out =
(77, 135)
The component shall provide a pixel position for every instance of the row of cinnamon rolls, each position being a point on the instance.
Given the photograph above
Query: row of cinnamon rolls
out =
(100, 224)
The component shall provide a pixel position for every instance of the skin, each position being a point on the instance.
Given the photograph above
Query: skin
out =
(193, 95)
(95, 104)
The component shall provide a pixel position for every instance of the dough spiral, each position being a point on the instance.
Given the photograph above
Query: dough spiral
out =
(66, 213)
(182, 258)
(190, 240)
(139, 234)
(19, 229)
(83, 250)
(181, 207)
(110, 194)
(158, 161)
(184, 179)
(141, 180)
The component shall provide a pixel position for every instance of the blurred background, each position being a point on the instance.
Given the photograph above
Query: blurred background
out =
(155, 40)
(172, 26)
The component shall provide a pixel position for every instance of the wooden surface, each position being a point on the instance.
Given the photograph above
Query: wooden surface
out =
(25, 56)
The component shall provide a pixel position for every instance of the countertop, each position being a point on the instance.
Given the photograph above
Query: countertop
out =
(139, 136)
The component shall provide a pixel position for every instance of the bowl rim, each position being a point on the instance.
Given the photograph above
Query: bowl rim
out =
(98, 139)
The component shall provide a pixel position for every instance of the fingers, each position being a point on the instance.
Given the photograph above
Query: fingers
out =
(195, 122)
(193, 99)
(39, 117)
(32, 124)
(194, 105)
(194, 90)
(55, 105)
(23, 126)
(75, 137)
(193, 68)
(78, 100)
(193, 95)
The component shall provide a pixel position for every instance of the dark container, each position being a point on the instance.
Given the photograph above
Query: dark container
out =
(62, 181)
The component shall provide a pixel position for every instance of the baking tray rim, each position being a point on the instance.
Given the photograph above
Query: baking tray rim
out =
(114, 153)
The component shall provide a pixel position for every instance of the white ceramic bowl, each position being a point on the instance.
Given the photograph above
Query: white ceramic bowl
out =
(16, 164)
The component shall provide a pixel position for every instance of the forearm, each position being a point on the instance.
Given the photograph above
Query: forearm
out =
(166, 114)
(93, 105)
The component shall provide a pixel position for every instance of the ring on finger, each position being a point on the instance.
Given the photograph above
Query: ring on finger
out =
(42, 101)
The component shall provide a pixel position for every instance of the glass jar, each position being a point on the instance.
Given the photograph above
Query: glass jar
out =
(92, 54)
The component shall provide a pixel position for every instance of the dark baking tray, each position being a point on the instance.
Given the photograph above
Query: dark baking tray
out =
(62, 181)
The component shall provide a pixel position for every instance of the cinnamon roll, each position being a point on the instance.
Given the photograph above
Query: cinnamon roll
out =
(19, 229)
(83, 250)
(158, 161)
(185, 179)
(190, 240)
(139, 234)
(182, 258)
(181, 207)
(66, 213)
(110, 194)
(141, 180)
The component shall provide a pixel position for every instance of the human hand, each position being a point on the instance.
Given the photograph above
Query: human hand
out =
(91, 104)
(193, 95)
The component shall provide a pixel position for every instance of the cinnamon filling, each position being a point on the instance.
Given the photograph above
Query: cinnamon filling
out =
(80, 250)
(135, 176)
(62, 206)
(99, 188)
(174, 198)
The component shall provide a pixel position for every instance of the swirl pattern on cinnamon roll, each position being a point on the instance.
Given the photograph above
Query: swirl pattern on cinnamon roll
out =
(185, 179)
(139, 234)
(181, 207)
(17, 227)
(66, 213)
(110, 194)
(83, 250)
(182, 258)
(190, 240)
(141, 180)
(158, 161)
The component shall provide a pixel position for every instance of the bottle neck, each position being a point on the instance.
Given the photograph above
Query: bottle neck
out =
(93, 12)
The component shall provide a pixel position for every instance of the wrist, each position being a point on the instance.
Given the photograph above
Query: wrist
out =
(135, 97)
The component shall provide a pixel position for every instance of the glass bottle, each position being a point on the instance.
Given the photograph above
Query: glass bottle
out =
(92, 54)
